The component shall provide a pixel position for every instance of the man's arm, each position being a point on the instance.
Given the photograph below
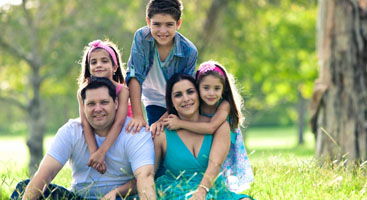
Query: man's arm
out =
(45, 174)
(145, 182)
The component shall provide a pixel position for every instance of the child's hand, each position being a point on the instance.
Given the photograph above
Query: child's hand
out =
(136, 123)
(156, 128)
(172, 122)
(96, 161)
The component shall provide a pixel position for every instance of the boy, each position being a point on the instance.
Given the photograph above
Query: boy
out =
(158, 51)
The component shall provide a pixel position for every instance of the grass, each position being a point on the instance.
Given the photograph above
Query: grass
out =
(283, 169)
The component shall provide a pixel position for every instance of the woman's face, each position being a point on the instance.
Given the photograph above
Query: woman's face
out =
(185, 99)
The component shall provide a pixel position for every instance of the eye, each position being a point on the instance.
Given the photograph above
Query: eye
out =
(105, 102)
(106, 60)
(90, 104)
(170, 24)
(93, 62)
(156, 24)
(218, 88)
(178, 94)
(190, 91)
(206, 87)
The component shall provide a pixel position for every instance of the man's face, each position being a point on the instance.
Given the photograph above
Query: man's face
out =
(100, 109)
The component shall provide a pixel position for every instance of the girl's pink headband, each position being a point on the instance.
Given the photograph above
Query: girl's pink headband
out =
(99, 44)
(209, 66)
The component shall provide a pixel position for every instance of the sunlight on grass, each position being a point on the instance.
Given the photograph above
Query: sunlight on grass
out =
(282, 169)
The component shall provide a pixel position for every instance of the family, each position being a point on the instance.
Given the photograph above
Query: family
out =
(191, 147)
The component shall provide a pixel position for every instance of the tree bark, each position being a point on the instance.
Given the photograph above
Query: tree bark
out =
(205, 36)
(339, 102)
(301, 109)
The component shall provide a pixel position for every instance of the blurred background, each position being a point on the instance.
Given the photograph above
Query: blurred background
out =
(268, 45)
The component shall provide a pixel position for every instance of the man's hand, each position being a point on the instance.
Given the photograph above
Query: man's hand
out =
(135, 124)
(110, 196)
(96, 161)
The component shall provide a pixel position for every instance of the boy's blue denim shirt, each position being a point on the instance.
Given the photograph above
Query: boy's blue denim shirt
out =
(142, 55)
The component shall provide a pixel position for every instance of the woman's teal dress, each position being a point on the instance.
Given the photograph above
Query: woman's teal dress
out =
(184, 172)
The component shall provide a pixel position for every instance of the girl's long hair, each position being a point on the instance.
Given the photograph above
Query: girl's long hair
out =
(230, 94)
(85, 72)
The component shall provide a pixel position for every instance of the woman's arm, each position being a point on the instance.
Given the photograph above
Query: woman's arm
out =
(160, 146)
(220, 116)
(97, 158)
(87, 129)
(218, 153)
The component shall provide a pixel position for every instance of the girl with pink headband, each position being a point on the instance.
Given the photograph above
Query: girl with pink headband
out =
(102, 59)
(221, 101)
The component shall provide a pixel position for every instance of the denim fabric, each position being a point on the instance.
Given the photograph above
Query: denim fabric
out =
(142, 56)
(154, 113)
(52, 192)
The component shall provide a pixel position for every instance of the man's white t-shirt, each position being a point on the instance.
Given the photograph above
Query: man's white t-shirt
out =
(128, 153)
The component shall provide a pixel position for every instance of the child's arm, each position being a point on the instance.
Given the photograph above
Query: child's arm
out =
(218, 153)
(128, 188)
(87, 129)
(97, 158)
(220, 116)
(157, 127)
(138, 121)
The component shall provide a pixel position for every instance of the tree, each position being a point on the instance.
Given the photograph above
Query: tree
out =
(31, 47)
(339, 102)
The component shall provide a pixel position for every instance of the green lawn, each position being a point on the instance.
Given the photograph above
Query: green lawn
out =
(283, 169)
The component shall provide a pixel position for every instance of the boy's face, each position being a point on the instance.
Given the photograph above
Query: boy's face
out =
(163, 28)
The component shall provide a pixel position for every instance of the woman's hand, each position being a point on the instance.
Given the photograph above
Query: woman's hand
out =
(199, 194)
(135, 124)
(172, 122)
(156, 128)
(96, 161)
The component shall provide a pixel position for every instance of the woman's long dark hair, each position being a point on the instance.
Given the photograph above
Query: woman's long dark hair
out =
(170, 83)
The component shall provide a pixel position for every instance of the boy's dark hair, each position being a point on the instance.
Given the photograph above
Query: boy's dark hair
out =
(98, 82)
(171, 7)
(170, 83)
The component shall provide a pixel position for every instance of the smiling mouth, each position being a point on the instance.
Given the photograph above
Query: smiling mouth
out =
(99, 117)
(187, 105)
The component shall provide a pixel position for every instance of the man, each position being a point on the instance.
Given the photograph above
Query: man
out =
(130, 156)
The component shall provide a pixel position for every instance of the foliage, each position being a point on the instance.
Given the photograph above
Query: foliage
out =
(268, 45)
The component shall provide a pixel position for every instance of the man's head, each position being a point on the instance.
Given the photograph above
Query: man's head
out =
(100, 103)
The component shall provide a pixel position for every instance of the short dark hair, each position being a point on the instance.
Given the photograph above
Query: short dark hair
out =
(171, 7)
(170, 83)
(94, 82)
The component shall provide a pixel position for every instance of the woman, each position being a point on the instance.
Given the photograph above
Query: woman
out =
(191, 168)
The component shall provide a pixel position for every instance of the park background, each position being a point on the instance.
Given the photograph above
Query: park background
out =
(268, 45)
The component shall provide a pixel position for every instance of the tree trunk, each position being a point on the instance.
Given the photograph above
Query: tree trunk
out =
(301, 109)
(36, 123)
(339, 102)
(205, 36)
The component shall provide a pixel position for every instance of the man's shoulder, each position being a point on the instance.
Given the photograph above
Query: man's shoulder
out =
(130, 137)
(71, 126)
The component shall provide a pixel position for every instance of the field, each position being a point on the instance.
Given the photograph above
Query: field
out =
(283, 169)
